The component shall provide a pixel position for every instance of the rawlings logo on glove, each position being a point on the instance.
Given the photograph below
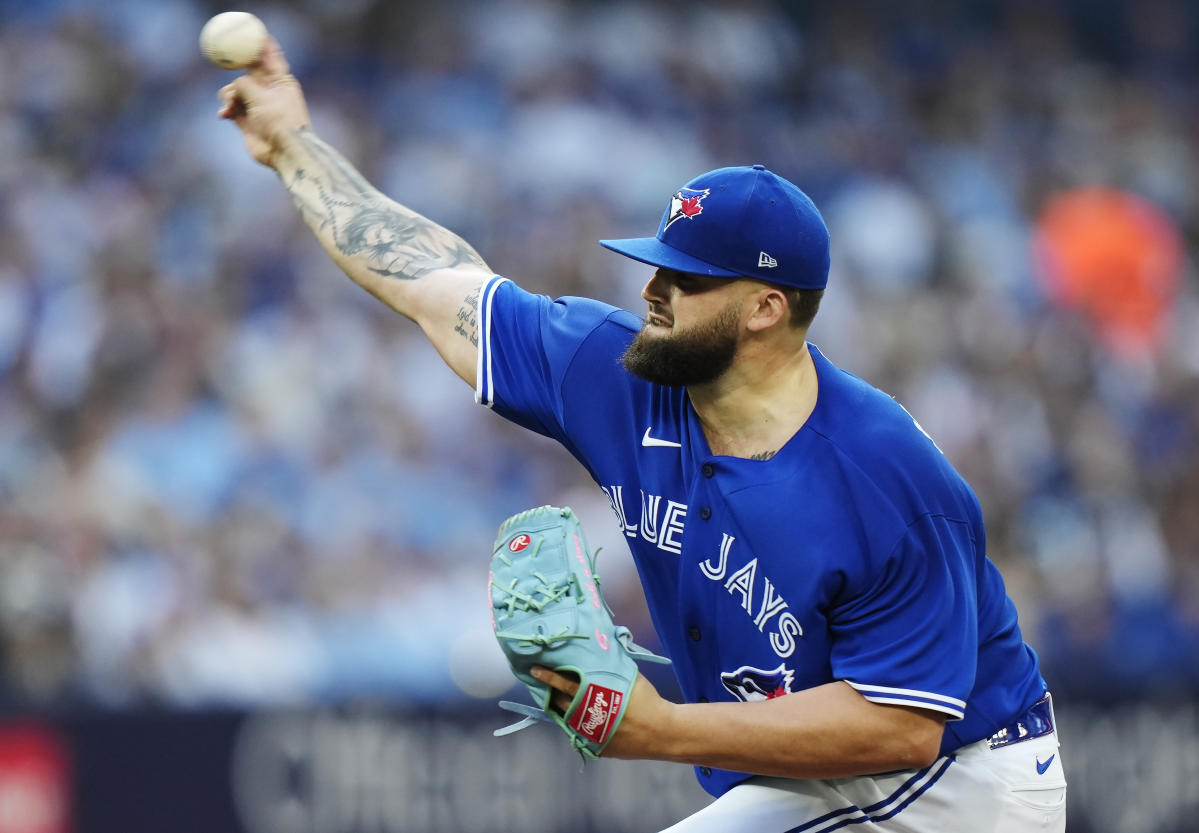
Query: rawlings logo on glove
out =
(547, 610)
(600, 707)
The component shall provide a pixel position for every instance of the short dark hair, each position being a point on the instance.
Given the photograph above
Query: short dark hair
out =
(803, 303)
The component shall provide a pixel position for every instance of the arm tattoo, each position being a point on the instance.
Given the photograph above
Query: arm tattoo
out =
(467, 325)
(394, 241)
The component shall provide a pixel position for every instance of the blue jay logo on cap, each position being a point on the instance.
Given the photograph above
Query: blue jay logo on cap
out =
(686, 202)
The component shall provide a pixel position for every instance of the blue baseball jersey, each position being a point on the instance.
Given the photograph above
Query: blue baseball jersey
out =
(855, 553)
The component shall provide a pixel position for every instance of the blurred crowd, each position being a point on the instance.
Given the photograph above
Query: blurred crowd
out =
(229, 477)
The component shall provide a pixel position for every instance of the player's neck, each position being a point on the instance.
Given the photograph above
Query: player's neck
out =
(758, 405)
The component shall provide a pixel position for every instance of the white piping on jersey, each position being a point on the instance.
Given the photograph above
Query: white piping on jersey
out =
(484, 382)
(909, 691)
(910, 697)
(923, 704)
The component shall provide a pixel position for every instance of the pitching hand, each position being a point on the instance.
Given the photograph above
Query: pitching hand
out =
(266, 104)
(645, 719)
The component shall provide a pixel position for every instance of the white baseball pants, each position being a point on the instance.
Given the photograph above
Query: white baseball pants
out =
(1019, 788)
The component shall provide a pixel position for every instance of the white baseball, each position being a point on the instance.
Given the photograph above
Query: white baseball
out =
(233, 40)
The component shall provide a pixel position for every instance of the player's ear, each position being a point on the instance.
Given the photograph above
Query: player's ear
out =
(769, 308)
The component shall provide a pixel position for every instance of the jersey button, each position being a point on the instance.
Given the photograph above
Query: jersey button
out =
(706, 770)
(705, 512)
(707, 470)
(694, 633)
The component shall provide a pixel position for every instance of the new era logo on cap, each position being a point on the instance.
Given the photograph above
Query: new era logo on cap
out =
(740, 222)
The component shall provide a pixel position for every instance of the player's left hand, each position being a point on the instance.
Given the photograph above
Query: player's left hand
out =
(644, 721)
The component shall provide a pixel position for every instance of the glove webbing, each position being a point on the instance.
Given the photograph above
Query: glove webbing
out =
(527, 601)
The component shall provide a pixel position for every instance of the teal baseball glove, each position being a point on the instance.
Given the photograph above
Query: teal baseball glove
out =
(547, 610)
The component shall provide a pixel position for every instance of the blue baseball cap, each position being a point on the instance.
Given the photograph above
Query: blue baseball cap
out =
(738, 222)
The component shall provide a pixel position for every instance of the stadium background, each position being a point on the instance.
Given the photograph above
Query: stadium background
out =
(244, 510)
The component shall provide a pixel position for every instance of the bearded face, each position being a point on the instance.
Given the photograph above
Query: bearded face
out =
(695, 356)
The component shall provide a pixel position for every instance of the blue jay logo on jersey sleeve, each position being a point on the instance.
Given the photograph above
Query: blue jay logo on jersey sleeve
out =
(752, 685)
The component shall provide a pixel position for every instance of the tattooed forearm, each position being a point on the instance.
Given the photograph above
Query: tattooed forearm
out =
(391, 240)
(467, 325)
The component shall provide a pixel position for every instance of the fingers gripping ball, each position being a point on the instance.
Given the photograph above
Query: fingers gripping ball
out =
(233, 40)
(547, 610)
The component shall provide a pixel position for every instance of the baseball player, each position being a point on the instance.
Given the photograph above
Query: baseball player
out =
(814, 566)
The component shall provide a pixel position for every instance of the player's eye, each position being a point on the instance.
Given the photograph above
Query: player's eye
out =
(685, 282)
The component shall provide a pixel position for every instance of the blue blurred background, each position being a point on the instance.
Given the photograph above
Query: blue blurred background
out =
(230, 480)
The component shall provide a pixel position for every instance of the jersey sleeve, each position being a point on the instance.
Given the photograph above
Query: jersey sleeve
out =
(910, 638)
(531, 347)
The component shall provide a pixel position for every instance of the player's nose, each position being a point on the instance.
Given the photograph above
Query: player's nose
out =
(654, 290)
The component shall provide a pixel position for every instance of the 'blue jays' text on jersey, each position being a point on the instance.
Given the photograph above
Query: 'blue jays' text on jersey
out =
(856, 553)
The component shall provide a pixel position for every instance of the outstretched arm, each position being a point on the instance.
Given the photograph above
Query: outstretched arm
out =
(413, 265)
(408, 262)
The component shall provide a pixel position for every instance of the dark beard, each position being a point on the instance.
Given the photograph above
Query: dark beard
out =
(695, 357)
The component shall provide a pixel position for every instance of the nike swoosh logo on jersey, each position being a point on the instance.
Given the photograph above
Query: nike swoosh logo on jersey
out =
(1042, 768)
(654, 442)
